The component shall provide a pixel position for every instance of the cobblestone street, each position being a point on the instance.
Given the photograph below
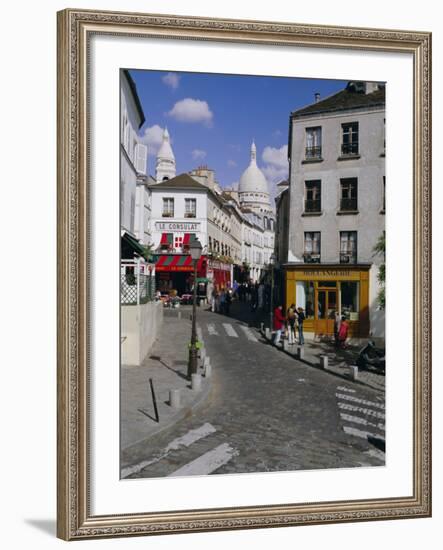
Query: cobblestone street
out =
(266, 411)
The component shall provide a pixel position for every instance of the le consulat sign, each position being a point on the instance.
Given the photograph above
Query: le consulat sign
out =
(177, 226)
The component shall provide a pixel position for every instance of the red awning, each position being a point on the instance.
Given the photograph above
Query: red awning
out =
(180, 262)
(166, 239)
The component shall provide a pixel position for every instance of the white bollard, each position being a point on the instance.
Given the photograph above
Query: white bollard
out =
(262, 327)
(206, 361)
(196, 382)
(353, 371)
(268, 333)
(208, 370)
(300, 352)
(179, 315)
(174, 398)
(324, 361)
(202, 353)
(285, 345)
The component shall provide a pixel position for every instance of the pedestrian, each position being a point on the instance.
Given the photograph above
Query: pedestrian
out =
(279, 323)
(343, 332)
(291, 316)
(300, 318)
(228, 300)
(222, 299)
(260, 295)
(214, 295)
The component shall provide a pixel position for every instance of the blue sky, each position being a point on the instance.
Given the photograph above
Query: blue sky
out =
(212, 119)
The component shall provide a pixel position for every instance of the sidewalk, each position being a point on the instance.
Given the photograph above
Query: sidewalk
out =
(339, 361)
(166, 365)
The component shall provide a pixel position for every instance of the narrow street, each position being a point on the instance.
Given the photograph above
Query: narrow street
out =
(266, 412)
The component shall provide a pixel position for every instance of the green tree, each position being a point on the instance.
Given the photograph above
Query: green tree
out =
(380, 249)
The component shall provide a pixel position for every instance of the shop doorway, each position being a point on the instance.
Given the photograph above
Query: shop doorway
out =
(326, 300)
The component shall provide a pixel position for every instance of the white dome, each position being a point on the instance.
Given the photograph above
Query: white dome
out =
(253, 180)
(165, 151)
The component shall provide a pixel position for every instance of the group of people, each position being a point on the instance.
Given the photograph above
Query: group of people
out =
(292, 323)
(221, 299)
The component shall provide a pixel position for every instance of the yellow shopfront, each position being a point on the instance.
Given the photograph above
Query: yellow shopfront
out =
(327, 290)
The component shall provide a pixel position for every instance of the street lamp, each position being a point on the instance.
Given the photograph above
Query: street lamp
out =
(272, 262)
(195, 250)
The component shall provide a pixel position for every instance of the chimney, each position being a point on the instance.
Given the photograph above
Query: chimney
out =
(317, 97)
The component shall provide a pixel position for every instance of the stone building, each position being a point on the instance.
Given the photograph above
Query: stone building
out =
(337, 210)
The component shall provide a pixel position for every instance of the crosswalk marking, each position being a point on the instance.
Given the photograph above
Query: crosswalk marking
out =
(212, 330)
(184, 441)
(208, 462)
(359, 420)
(360, 401)
(248, 333)
(369, 412)
(342, 388)
(361, 433)
(230, 330)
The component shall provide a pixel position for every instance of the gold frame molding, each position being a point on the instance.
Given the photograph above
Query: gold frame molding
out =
(75, 28)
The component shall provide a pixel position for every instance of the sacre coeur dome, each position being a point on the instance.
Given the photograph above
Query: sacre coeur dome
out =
(253, 180)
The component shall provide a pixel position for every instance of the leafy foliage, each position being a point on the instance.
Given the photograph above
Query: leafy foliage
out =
(380, 249)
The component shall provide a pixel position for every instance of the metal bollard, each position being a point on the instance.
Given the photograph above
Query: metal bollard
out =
(196, 382)
(300, 352)
(324, 361)
(174, 398)
(353, 371)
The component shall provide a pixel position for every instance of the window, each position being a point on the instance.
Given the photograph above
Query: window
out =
(349, 300)
(168, 208)
(313, 143)
(348, 247)
(210, 243)
(348, 194)
(178, 241)
(349, 144)
(190, 208)
(304, 297)
(311, 252)
(313, 196)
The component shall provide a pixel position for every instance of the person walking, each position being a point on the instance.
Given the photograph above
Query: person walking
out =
(214, 295)
(300, 318)
(279, 323)
(337, 323)
(260, 295)
(343, 332)
(291, 316)
(228, 300)
(222, 300)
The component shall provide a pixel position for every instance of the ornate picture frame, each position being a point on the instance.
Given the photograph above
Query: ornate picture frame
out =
(75, 30)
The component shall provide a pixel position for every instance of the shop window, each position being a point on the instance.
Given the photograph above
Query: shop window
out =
(313, 196)
(348, 247)
(349, 144)
(312, 247)
(304, 297)
(349, 299)
(348, 194)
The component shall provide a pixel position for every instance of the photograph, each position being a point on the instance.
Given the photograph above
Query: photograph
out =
(252, 273)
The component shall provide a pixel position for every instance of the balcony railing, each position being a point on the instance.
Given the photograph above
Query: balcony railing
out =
(313, 152)
(348, 204)
(348, 258)
(190, 215)
(311, 258)
(168, 214)
(313, 205)
(349, 148)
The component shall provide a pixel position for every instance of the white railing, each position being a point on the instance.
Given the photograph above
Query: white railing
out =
(137, 282)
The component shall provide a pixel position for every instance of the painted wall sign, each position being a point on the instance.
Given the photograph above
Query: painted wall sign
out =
(177, 226)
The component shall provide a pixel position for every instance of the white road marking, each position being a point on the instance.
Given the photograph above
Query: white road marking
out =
(342, 388)
(212, 330)
(359, 420)
(230, 330)
(184, 441)
(208, 462)
(376, 453)
(248, 333)
(360, 401)
(361, 433)
(369, 412)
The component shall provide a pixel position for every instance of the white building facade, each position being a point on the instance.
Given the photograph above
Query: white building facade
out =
(336, 210)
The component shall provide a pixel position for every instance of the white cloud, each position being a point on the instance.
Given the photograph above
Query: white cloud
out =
(276, 168)
(276, 157)
(172, 80)
(232, 163)
(198, 154)
(153, 138)
(192, 110)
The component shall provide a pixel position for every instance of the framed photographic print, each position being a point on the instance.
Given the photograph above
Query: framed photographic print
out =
(244, 274)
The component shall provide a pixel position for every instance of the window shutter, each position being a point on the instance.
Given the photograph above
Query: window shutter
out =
(141, 157)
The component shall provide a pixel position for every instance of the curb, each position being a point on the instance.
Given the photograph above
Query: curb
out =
(319, 368)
